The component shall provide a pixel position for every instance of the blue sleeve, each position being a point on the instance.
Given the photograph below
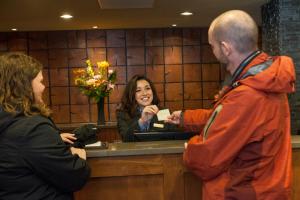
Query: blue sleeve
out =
(145, 126)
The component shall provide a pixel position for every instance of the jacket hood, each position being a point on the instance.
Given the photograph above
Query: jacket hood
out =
(6, 119)
(278, 77)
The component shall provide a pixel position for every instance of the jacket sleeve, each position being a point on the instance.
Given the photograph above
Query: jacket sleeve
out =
(51, 159)
(231, 130)
(195, 120)
(127, 126)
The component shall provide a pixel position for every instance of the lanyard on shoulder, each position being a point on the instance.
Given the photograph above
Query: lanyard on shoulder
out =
(243, 65)
(236, 75)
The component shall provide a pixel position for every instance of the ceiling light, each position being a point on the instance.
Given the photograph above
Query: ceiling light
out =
(66, 16)
(186, 13)
(14, 29)
(121, 4)
(95, 27)
(174, 25)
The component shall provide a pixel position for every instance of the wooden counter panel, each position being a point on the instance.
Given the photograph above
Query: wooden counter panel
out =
(157, 177)
(296, 174)
(125, 166)
(192, 187)
(124, 187)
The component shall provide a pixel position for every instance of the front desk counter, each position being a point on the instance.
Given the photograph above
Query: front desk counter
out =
(151, 171)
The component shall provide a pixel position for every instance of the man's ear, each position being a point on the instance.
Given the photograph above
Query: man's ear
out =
(226, 48)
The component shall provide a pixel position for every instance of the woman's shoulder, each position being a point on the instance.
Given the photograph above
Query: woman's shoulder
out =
(31, 122)
(125, 114)
(24, 126)
(121, 113)
(36, 119)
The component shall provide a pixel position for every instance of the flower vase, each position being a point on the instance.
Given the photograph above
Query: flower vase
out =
(100, 109)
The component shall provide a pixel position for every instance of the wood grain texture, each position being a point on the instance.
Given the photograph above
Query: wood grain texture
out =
(296, 174)
(157, 177)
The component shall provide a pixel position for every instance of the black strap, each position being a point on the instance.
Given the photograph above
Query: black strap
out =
(242, 66)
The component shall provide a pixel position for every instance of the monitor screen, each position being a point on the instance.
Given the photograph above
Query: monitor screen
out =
(154, 136)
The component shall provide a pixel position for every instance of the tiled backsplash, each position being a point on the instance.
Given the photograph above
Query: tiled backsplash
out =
(179, 62)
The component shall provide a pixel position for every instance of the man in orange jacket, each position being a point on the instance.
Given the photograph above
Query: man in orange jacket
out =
(243, 150)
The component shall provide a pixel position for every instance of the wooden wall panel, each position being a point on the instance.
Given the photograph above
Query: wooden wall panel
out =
(96, 38)
(174, 59)
(17, 41)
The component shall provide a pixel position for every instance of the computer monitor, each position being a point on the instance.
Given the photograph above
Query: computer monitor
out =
(170, 135)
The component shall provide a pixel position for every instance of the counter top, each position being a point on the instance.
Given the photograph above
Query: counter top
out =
(138, 148)
(71, 127)
(150, 148)
(295, 141)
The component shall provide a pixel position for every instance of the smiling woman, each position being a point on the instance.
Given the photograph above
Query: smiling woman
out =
(138, 109)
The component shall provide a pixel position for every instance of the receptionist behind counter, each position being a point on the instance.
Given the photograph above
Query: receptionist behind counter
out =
(138, 108)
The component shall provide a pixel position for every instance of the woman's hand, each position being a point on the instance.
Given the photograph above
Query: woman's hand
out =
(174, 118)
(149, 112)
(68, 137)
(80, 152)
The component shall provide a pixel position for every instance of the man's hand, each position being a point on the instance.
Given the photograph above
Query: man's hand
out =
(174, 118)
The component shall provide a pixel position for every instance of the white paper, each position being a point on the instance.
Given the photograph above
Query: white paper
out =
(96, 144)
(158, 125)
(163, 114)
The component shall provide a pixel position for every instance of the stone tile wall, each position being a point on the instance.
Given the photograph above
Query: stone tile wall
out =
(281, 36)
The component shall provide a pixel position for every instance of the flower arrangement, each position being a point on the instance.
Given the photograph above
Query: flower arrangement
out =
(96, 82)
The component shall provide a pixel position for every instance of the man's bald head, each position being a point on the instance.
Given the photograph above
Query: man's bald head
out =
(236, 27)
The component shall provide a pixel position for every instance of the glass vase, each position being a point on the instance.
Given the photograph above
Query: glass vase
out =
(100, 109)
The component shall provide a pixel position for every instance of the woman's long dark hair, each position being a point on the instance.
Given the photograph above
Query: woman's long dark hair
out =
(128, 102)
(17, 71)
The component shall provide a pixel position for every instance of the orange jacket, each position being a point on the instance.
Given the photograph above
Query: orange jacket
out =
(244, 150)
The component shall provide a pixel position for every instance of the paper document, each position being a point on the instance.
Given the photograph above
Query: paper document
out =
(96, 144)
(163, 114)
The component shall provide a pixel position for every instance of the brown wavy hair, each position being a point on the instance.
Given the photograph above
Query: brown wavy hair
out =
(17, 71)
(128, 101)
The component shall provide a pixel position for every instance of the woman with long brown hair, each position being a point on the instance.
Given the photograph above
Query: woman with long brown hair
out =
(138, 109)
(35, 163)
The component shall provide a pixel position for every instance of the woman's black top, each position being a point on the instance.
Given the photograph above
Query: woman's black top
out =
(127, 125)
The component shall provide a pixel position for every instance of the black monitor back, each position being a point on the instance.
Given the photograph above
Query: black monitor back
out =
(156, 136)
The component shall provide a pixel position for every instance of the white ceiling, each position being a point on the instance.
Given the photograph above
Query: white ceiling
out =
(35, 15)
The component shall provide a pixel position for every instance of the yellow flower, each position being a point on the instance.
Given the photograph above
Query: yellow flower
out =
(95, 83)
(88, 62)
(103, 64)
